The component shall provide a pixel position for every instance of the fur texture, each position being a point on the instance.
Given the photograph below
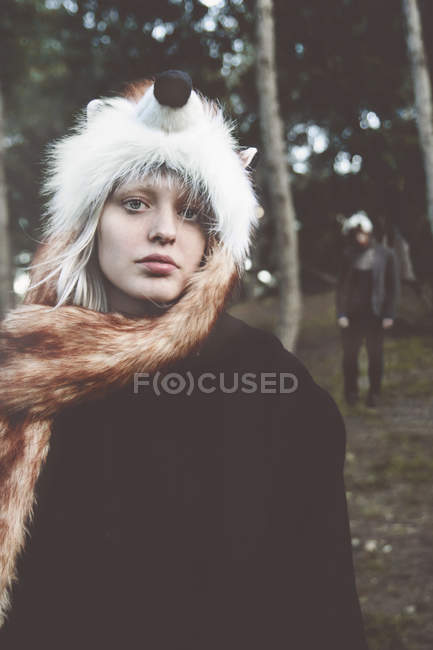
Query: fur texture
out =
(57, 357)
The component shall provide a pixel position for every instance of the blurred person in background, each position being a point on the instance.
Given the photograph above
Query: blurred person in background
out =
(367, 292)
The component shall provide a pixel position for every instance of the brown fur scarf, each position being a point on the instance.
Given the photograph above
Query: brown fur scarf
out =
(51, 358)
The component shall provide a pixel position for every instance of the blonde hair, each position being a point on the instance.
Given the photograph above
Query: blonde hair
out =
(75, 270)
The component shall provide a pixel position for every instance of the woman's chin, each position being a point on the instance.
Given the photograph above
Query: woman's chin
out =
(161, 294)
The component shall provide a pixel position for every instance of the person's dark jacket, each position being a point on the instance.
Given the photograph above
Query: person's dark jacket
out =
(385, 282)
(203, 521)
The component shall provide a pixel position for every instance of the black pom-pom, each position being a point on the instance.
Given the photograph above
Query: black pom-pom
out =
(172, 88)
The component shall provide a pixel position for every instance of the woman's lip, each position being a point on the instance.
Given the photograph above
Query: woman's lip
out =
(163, 268)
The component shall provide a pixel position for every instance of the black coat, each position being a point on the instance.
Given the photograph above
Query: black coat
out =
(209, 521)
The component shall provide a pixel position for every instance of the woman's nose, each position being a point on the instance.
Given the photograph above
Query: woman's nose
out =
(164, 225)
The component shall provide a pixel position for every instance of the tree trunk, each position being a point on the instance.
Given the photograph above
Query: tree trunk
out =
(423, 94)
(5, 255)
(278, 182)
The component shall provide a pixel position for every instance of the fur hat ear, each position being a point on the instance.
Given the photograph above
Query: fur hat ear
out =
(247, 156)
(93, 107)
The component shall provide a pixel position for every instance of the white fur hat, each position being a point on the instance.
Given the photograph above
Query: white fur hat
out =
(358, 220)
(119, 139)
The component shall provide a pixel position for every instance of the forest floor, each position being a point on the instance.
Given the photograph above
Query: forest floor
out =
(389, 467)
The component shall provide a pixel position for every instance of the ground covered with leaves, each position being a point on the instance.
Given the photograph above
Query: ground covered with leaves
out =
(389, 467)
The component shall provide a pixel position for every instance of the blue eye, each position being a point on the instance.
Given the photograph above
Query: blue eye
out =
(191, 214)
(133, 205)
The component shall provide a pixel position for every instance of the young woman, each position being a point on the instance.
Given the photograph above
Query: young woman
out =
(180, 474)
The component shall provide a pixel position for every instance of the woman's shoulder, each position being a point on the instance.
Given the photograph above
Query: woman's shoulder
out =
(256, 344)
(313, 404)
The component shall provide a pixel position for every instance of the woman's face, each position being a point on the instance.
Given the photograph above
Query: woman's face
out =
(140, 220)
(363, 238)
